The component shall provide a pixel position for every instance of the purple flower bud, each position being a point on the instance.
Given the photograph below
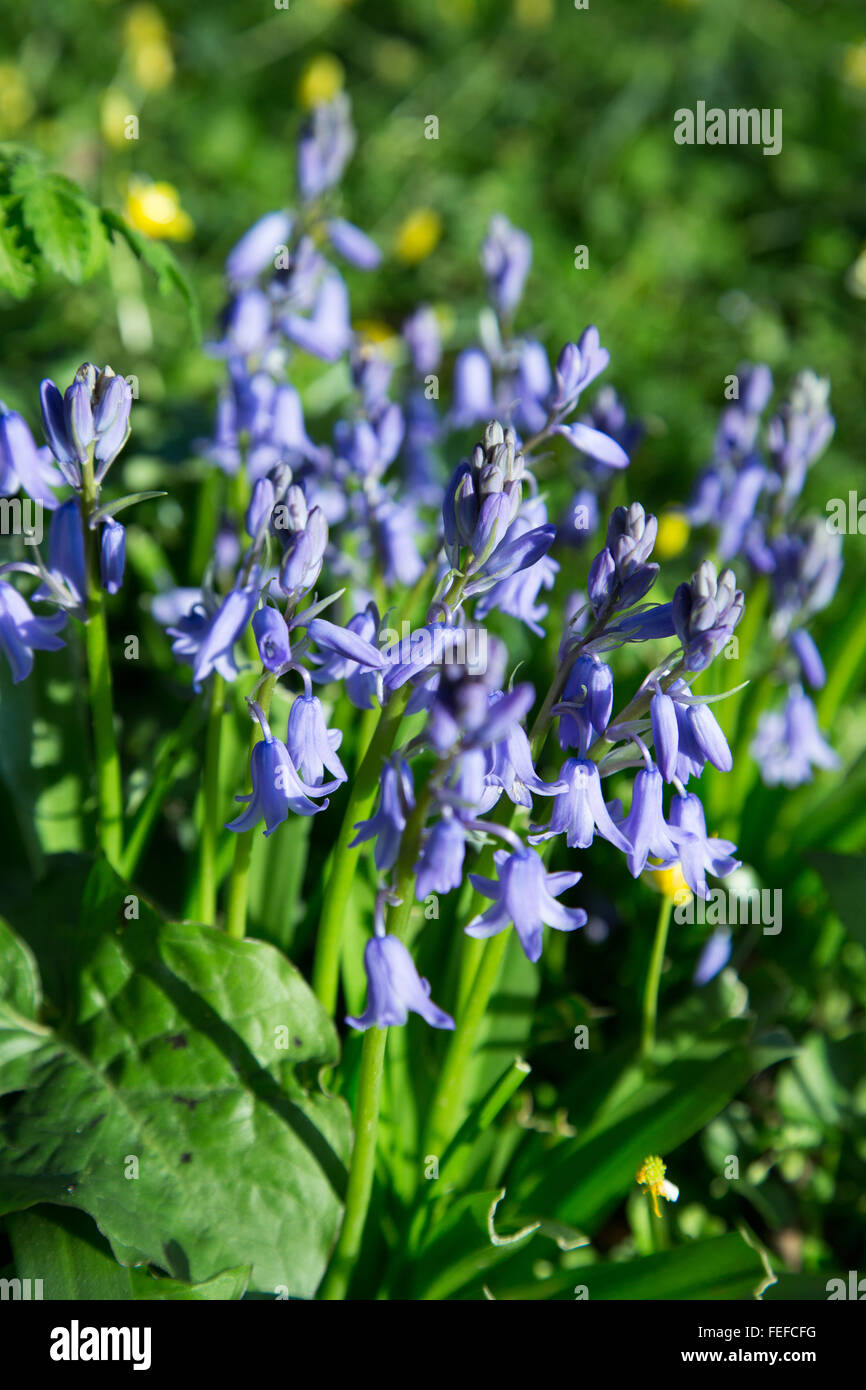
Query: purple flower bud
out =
(807, 654)
(78, 419)
(666, 738)
(473, 389)
(112, 555)
(272, 638)
(506, 256)
(713, 958)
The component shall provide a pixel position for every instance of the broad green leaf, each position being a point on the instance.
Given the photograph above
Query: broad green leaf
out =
(169, 1104)
(63, 222)
(64, 1249)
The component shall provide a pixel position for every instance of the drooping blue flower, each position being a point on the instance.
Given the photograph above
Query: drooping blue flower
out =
(580, 810)
(423, 339)
(440, 865)
(809, 658)
(353, 244)
(277, 786)
(327, 332)
(112, 555)
(23, 465)
(525, 894)
(312, 745)
(396, 800)
(645, 827)
(258, 247)
(472, 397)
(205, 638)
(699, 853)
(788, 744)
(506, 256)
(22, 632)
(395, 530)
(394, 988)
(512, 769)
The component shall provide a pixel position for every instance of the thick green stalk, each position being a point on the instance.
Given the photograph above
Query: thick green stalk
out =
(654, 974)
(109, 785)
(211, 808)
(238, 896)
(363, 1164)
(326, 966)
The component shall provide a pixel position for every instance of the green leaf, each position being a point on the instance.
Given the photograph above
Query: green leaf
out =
(166, 1105)
(66, 1252)
(580, 1180)
(64, 223)
(170, 279)
(722, 1267)
(17, 274)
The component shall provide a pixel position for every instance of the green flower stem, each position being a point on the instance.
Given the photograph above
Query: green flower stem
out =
(363, 1164)
(211, 808)
(651, 989)
(326, 966)
(109, 785)
(361, 1172)
(446, 1110)
(238, 893)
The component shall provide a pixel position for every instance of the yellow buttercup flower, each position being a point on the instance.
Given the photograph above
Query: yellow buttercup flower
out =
(149, 48)
(673, 534)
(670, 882)
(154, 208)
(374, 332)
(417, 236)
(321, 80)
(651, 1175)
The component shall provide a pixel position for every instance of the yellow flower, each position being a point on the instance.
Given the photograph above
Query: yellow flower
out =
(417, 236)
(651, 1175)
(375, 333)
(16, 102)
(854, 65)
(321, 80)
(116, 109)
(147, 41)
(670, 883)
(673, 534)
(154, 208)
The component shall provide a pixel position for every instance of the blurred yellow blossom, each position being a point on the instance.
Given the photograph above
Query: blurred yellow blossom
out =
(321, 80)
(670, 882)
(417, 235)
(673, 534)
(16, 101)
(149, 48)
(114, 113)
(154, 208)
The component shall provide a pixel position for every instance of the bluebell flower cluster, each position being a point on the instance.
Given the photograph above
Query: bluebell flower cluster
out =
(86, 427)
(750, 495)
